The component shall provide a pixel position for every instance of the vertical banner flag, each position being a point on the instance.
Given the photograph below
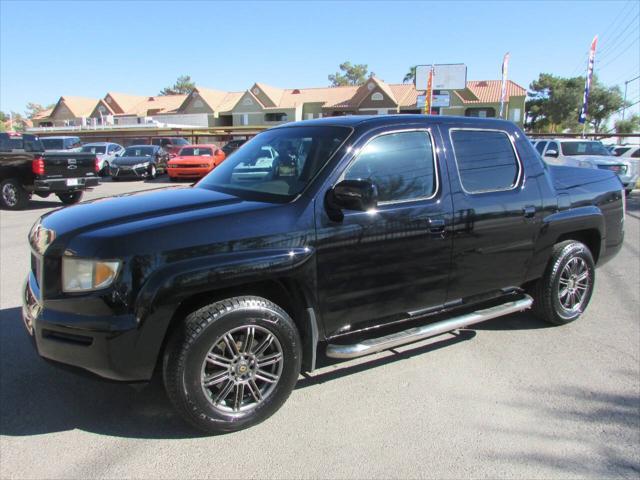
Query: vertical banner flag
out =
(503, 93)
(582, 117)
(429, 93)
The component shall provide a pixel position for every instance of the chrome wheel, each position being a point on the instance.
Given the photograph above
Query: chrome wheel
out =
(573, 285)
(10, 195)
(242, 369)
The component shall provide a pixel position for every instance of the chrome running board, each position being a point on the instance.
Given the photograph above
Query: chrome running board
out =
(375, 345)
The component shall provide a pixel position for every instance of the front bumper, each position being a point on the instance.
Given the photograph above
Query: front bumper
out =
(187, 172)
(65, 184)
(104, 345)
(128, 172)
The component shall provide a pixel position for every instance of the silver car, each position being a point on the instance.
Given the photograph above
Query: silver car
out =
(105, 152)
(587, 154)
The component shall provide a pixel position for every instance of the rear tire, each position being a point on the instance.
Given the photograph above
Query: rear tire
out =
(12, 195)
(70, 198)
(564, 291)
(217, 371)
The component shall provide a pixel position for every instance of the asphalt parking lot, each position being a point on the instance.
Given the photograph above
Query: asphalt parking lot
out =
(511, 398)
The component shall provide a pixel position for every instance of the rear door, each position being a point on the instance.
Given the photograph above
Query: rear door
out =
(390, 264)
(497, 212)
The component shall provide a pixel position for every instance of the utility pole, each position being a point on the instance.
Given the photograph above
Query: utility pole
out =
(624, 105)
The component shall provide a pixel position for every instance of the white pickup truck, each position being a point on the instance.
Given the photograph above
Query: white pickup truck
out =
(587, 154)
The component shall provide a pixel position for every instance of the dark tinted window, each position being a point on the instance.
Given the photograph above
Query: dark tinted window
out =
(620, 150)
(95, 149)
(399, 164)
(28, 143)
(553, 146)
(636, 154)
(540, 147)
(52, 143)
(195, 152)
(140, 151)
(486, 160)
(584, 148)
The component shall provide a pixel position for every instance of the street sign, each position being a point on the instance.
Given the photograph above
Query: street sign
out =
(441, 99)
(445, 76)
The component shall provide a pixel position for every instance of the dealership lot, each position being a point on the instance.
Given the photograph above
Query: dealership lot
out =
(512, 398)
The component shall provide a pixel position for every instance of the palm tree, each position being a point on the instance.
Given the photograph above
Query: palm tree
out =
(410, 76)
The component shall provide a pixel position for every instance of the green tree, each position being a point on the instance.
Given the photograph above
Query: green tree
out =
(184, 85)
(630, 125)
(410, 76)
(33, 108)
(603, 102)
(3, 118)
(351, 75)
(553, 103)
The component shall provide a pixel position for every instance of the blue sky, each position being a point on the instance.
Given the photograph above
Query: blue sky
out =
(48, 49)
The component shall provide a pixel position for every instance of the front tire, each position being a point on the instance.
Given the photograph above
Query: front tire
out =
(564, 292)
(232, 364)
(12, 195)
(153, 172)
(70, 198)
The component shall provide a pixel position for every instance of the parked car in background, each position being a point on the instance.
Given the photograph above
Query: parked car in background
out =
(61, 144)
(362, 237)
(26, 169)
(170, 144)
(232, 146)
(194, 161)
(139, 162)
(587, 154)
(105, 152)
(260, 167)
(631, 153)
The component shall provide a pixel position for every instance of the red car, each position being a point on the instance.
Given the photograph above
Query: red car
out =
(194, 161)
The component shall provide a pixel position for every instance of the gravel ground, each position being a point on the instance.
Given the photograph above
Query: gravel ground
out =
(511, 398)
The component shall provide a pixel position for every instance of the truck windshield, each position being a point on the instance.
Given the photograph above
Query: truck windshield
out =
(53, 143)
(138, 152)
(584, 148)
(277, 164)
(99, 150)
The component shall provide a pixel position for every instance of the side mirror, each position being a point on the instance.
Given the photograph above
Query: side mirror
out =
(361, 195)
(551, 153)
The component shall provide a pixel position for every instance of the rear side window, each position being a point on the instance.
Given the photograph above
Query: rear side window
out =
(401, 165)
(540, 147)
(486, 160)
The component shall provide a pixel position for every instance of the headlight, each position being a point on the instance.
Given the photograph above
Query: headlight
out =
(586, 164)
(81, 275)
(141, 165)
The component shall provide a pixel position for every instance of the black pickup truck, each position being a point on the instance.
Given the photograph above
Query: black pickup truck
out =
(26, 169)
(354, 235)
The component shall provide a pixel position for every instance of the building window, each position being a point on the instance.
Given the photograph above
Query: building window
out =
(486, 160)
(480, 112)
(275, 117)
(245, 119)
(377, 97)
(309, 116)
(514, 114)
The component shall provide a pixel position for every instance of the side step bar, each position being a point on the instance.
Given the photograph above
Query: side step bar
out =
(375, 345)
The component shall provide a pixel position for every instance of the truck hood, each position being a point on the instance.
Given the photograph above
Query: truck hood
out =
(138, 215)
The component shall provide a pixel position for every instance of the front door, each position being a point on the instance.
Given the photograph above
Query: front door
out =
(388, 264)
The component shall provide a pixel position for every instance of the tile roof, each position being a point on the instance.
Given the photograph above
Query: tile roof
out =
(158, 105)
(42, 114)
(127, 103)
(489, 91)
(78, 106)
(273, 93)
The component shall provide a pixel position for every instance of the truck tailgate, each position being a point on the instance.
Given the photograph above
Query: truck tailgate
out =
(69, 165)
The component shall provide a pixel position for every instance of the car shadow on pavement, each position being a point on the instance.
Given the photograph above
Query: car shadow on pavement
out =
(516, 321)
(39, 398)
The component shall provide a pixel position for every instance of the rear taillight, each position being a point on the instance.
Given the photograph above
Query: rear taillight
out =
(97, 164)
(37, 165)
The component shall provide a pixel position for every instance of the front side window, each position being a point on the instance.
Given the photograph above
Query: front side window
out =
(636, 154)
(400, 165)
(486, 160)
(584, 148)
(540, 147)
(553, 146)
(619, 151)
(278, 164)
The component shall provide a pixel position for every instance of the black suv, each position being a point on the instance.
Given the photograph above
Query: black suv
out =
(341, 236)
(232, 146)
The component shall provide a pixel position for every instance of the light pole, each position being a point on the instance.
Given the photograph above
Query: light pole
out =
(624, 105)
